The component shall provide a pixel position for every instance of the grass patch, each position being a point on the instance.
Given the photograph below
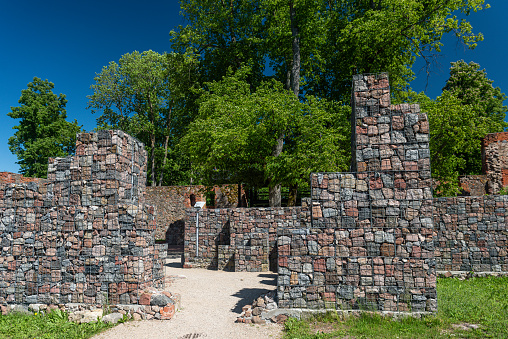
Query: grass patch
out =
(473, 308)
(54, 324)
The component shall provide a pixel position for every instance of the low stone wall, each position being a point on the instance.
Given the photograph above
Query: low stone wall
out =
(473, 185)
(245, 237)
(15, 178)
(472, 233)
(85, 235)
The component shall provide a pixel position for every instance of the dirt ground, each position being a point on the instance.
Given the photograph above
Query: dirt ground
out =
(210, 303)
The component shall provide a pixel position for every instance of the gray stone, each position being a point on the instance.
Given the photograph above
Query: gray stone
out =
(112, 318)
(346, 292)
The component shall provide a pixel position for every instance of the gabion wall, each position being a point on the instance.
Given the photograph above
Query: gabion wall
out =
(371, 243)
(86, 235)
(472, 233)
(240, 239)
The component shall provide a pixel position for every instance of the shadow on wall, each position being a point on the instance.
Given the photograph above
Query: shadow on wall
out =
(174, 233)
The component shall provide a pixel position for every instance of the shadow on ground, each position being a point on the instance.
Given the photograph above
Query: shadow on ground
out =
(247, 295)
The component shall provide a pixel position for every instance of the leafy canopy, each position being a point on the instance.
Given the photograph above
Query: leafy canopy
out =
(468, 109)
(233, 137)
(337, 38)
(147, 95)
(43, 131)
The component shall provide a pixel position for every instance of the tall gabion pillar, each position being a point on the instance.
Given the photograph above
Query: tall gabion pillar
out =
(371, 242)
(85, 235)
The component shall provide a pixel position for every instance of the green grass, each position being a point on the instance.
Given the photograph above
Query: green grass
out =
(52, 325)
(476, 301)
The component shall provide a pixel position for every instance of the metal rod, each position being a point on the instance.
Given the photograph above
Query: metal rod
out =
(197, 234)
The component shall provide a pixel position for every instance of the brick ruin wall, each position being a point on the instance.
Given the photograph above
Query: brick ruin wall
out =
(495, 161)
(172, 203)
(15, 178)
(85, 235)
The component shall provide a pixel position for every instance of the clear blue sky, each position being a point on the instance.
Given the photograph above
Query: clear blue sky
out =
(67, 42)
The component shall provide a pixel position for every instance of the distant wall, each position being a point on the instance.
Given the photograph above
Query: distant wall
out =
(244, 237)
(473, 185)
(15, 178)
(172, 202)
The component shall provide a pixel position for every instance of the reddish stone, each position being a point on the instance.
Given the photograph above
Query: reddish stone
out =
(167, 312)
(4, 309)
(397, 122)
(375, 183)
(281, 318)
(144, 299)
(387, 250)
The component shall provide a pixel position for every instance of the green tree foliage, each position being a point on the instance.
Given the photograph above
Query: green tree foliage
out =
(147, 95)
(455, 134)
(386, 35)
(468, 108)
(43, 131)
(327, 41)
(237, 129)
(470, 85)
(314, 47)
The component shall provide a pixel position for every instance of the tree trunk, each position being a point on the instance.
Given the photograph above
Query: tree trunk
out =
(295, 33)
(240, 203)
(274, 192)
(168, 125)
(294, 79)
(274, 196)
(293, 192)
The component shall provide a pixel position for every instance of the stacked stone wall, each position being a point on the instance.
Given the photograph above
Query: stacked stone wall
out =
(239, 238)
(473, 185)
(371, 243)
(173, 201)
(85, 235)
(495, 161)
(472, 233)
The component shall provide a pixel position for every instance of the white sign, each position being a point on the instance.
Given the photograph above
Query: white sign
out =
(199, 204)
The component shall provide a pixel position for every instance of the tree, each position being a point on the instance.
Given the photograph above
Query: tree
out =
(321, 43)
(455, 134)
(43, 131)
(233, 138)
(146, 94)
(314, 47)
(468, 108)
(470, 85)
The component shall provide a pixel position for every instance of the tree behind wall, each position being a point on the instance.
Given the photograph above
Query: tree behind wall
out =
(468, 109)
(470, 85)
(147, 95)
(233, 137)
(43, 131)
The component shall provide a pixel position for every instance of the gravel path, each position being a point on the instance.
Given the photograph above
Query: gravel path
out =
(210, 303)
